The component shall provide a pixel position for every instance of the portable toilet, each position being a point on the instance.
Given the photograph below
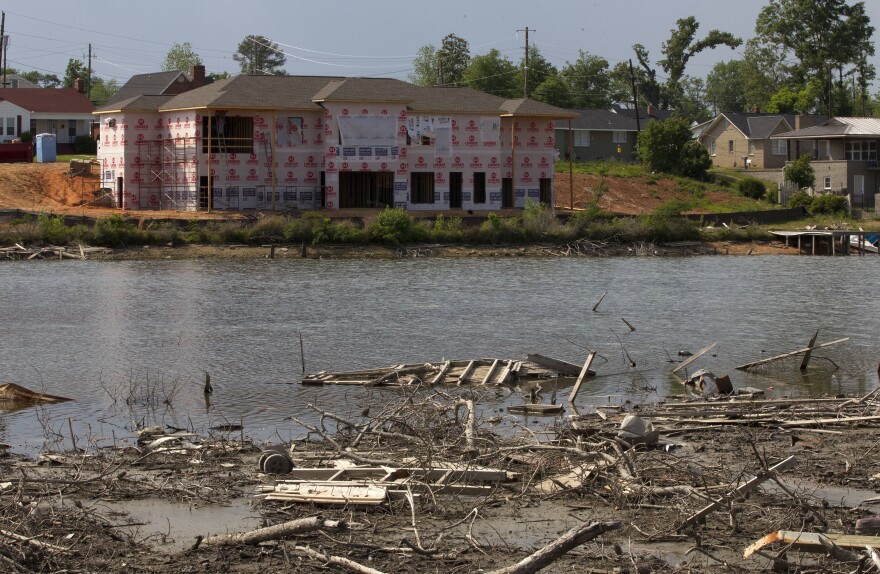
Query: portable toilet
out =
(46, 148)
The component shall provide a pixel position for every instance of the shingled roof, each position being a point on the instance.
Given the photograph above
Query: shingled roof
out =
(152, 84)
(613, 120)
(49, 100)
(837, 128)
(305, 93)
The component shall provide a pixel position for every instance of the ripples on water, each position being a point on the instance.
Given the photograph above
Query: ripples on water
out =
(99, 331)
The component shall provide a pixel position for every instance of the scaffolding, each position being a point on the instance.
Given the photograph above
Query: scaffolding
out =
(166, 174)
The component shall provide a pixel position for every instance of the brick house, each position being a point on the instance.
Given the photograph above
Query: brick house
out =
(744, 140)
(844, 155)
(307, 142)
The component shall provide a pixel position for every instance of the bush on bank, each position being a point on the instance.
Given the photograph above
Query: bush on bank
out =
(536, 224)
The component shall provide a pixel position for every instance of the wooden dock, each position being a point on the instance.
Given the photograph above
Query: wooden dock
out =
(834, 241)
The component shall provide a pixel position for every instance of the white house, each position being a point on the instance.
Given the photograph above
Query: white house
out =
(65, 112)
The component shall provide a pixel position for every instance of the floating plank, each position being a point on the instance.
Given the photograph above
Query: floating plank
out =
(561, 367)
(828, 421)
(748, 366)
(466, 372)
(583, 374)
(812, 541)
(330, 493)
(535, 409)
(491, 371)
(695, 356)
(16, 394)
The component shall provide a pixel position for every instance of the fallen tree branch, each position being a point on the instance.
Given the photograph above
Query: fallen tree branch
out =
(283, 530)
(559, 547)
(345, 563)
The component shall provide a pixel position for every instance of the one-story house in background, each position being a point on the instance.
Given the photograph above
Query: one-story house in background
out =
(843, 154)
(65, 112)
(301, 142)
(743, 139)
(602, 134)
(161, 84)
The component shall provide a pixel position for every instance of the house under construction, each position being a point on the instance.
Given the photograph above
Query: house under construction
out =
(309, 142)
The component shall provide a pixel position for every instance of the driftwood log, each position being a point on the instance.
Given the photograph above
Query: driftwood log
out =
(284, 530)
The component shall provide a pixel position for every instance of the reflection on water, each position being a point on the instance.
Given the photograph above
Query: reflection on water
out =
(130, 341)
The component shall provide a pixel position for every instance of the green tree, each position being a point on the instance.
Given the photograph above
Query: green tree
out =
(827, 39)
(724, 87)
(432, 67)
(691, 102)
(102, 90)
(219, 75)
(452, 59)
(42, 80)
(539, 70)
(661, 144)
(181, 57)
(800, 172)
(589, 81)
(75, 70)
(425, 70)
(258, 55)
(695, 161)
(680, 48)
(494, 74)
(554, 91)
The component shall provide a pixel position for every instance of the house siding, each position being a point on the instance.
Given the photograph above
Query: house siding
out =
(8, 111)
(602, 146)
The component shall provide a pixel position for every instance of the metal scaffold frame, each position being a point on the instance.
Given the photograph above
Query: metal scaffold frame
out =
(167, 173)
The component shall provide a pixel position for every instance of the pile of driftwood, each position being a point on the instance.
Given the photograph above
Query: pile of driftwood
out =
(18, 251)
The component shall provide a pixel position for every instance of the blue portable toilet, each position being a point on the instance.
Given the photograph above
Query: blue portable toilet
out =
(46, 148)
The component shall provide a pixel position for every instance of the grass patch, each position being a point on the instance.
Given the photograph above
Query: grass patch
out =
(66, 157)
(612, 168)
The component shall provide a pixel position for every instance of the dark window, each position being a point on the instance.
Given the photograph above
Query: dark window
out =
(479, 187)
(229, 134)
(422, 187)
(71, 128)
(33, 127)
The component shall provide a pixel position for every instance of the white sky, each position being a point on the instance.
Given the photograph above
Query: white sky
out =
(364, 38)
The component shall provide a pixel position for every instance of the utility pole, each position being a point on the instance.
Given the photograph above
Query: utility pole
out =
(526, 70)
(89, 81)
(3, 44)
(632, 78)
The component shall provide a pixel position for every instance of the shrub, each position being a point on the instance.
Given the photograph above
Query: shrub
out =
(671, 208)
(114, 231)
(52, 230)
(538, 220)
(828, 203)
(26, 137)
(695, 161)
(661, 144)
(752, 187)
(800, 199)
(447, 229)
(394, 226)
(85, 144)
(800, 172)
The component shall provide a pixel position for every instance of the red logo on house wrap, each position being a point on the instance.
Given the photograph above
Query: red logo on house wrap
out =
(526, 162)
(318, 139)
(526, 176)
(472, 126)
(507, 174)
(291, 162)
(159, 125)
(403, 168)
(516, 127)
(403, 152)
(331, 167)
(231, 175)
(365, 111)
(438, 162)
(549, 142)
(543, 162)
(310, 177)
(177, 124)
(420, 162)
(141, 124)
(533, 127)
(383, 166)
(344, 111)
(476, 162)
(549, 127)
(472, 140)
(533, 142)
(260, 121)
(213, 158)
(113, 162)
(233, 159)
(310, 161)
(252, 175)
(140, 137)
(345, 166)
(383, 113)
(402, 114)
(455, 125)
(186, 123)
(252, 160)
(114, 140)
(402, 130)
(493, 162)
(493, 178)
(440, 177)
(290, 177)
(508, 162)
(456, 162)
(454, 140)
(543, 174)
(365, 166)
(330, 190)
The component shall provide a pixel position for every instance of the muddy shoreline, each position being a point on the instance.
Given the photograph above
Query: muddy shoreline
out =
(360, 252)
(165, 500)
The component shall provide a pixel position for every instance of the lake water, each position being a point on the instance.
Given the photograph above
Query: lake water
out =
(122, 337)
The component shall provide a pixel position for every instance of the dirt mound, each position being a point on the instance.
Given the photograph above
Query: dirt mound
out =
(46, 186)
